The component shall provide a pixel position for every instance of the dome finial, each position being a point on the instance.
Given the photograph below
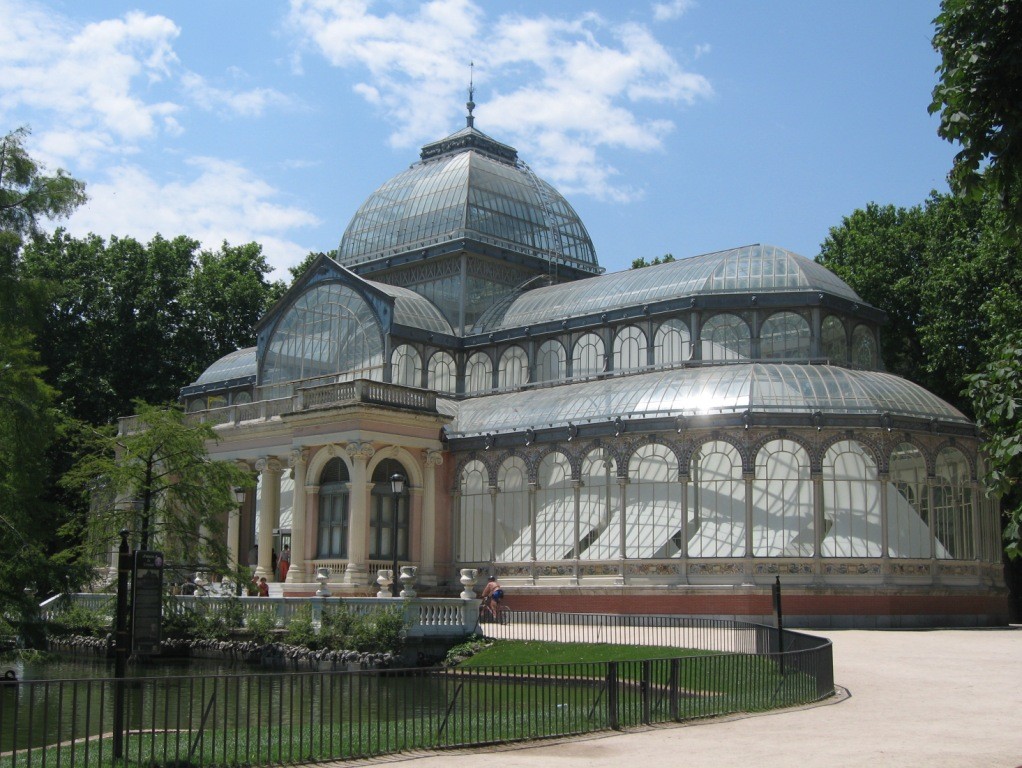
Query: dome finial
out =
(469, 119)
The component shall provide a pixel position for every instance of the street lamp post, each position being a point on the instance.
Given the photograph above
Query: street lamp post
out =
(397, 487)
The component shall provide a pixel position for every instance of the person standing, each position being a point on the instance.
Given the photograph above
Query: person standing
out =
(284, 562)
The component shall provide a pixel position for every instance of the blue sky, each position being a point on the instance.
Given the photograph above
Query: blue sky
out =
(671, 126)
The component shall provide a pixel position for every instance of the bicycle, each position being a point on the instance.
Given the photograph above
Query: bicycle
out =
(494, 612)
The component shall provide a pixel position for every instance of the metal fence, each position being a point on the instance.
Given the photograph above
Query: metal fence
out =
(298, 717)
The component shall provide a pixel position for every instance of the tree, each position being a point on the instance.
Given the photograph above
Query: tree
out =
(26, 195)
(302, 266)
(977, 96)
(155, 478)
(996, 392)
(28, 421)
(641, 262)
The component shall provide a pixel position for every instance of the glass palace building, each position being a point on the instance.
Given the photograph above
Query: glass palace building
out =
(661, 440)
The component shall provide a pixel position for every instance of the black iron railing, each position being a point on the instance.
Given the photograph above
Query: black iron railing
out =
(298, 717)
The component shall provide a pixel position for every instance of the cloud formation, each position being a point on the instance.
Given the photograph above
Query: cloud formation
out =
(566, 91)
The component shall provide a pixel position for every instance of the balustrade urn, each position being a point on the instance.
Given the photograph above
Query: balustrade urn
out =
(468, 580)
(322, 576)
(408, 576)
(384, 577)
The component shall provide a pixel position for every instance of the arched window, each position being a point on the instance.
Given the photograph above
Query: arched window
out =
(478, 374)
(555, 508)
(328, 331)
(725, 337)
(406, 366)
(784, 336)
(588, 357)
(864, 347)
(782, 502)
(653, 504)
(629, 349)
(196, 405)
(441, 373)
(217, 401)
(513, 535)
(241, 398)
(514, 368)
(908, 503)
(332, 535)
(599, 507)
(672, 343)
(475, 524)
(550, 361)
(381, 517)
(833, 342)
(851, 502)
(717, 503)
(952, 506)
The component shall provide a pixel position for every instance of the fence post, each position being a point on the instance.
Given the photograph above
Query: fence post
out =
(673, 688)
(612, 719)
(646, 688)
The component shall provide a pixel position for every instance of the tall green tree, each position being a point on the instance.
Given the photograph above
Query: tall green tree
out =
(154, 477)
(28, 421)
(978, 95)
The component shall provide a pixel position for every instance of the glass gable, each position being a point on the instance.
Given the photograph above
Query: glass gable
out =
(328, 331)
(237, 365)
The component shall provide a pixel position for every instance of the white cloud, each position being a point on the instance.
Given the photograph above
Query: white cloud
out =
(565, 91)
(250, 103)
(86, 75)
(671, 10)
(221, 201)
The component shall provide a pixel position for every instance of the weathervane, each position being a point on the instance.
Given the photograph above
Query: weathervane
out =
(471, 91)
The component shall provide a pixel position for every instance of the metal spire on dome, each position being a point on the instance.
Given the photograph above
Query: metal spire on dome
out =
(469, 119)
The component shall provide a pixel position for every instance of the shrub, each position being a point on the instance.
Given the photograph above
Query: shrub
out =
(465, 650)
(76, 619)
(262, 625)
(300, 630)
(379, 632)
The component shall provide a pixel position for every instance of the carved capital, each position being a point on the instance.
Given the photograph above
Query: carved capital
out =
(298, 457)
(360, 451)
(433, 458)
(270, 464)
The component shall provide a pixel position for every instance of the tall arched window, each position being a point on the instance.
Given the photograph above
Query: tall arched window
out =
(672, 343)
(550, 361)
(833, 342)
(629, 349)
(406, 366)
(864, 347)
(598, 508)
(332, 529)
(908, 503)
(725, 337)
(475, 523)
(514, 368)
(381, 516)
(478, 374)
(588, 357)
(717, 501)
(952, 506)
(441, 373)
(782, 502)
(555, 508)
(513, 535)
(784, 336)
(653, 504)
(851, 502)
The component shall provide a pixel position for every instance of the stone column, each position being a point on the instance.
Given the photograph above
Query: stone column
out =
(816, 477)
(427, 555)
(269, 512)
(532, 526)
(356, 573)
(576, 534)
(622, 484)
(884, 478)
(493, 528)
(298, 461)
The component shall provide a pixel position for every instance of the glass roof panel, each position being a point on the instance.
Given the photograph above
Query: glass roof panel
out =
(750, 268)
(414, 310)
(236, 365)
(703, 391)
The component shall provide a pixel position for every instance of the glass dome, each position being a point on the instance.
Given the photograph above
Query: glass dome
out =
(469, 186)
(760, 268)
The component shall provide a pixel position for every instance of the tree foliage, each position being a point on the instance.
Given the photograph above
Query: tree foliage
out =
(996, 392)
(155, 478)
(641, 262)
(978, 95)
(26, 193)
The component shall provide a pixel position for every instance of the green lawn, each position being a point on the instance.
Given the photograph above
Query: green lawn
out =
(514, 652)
